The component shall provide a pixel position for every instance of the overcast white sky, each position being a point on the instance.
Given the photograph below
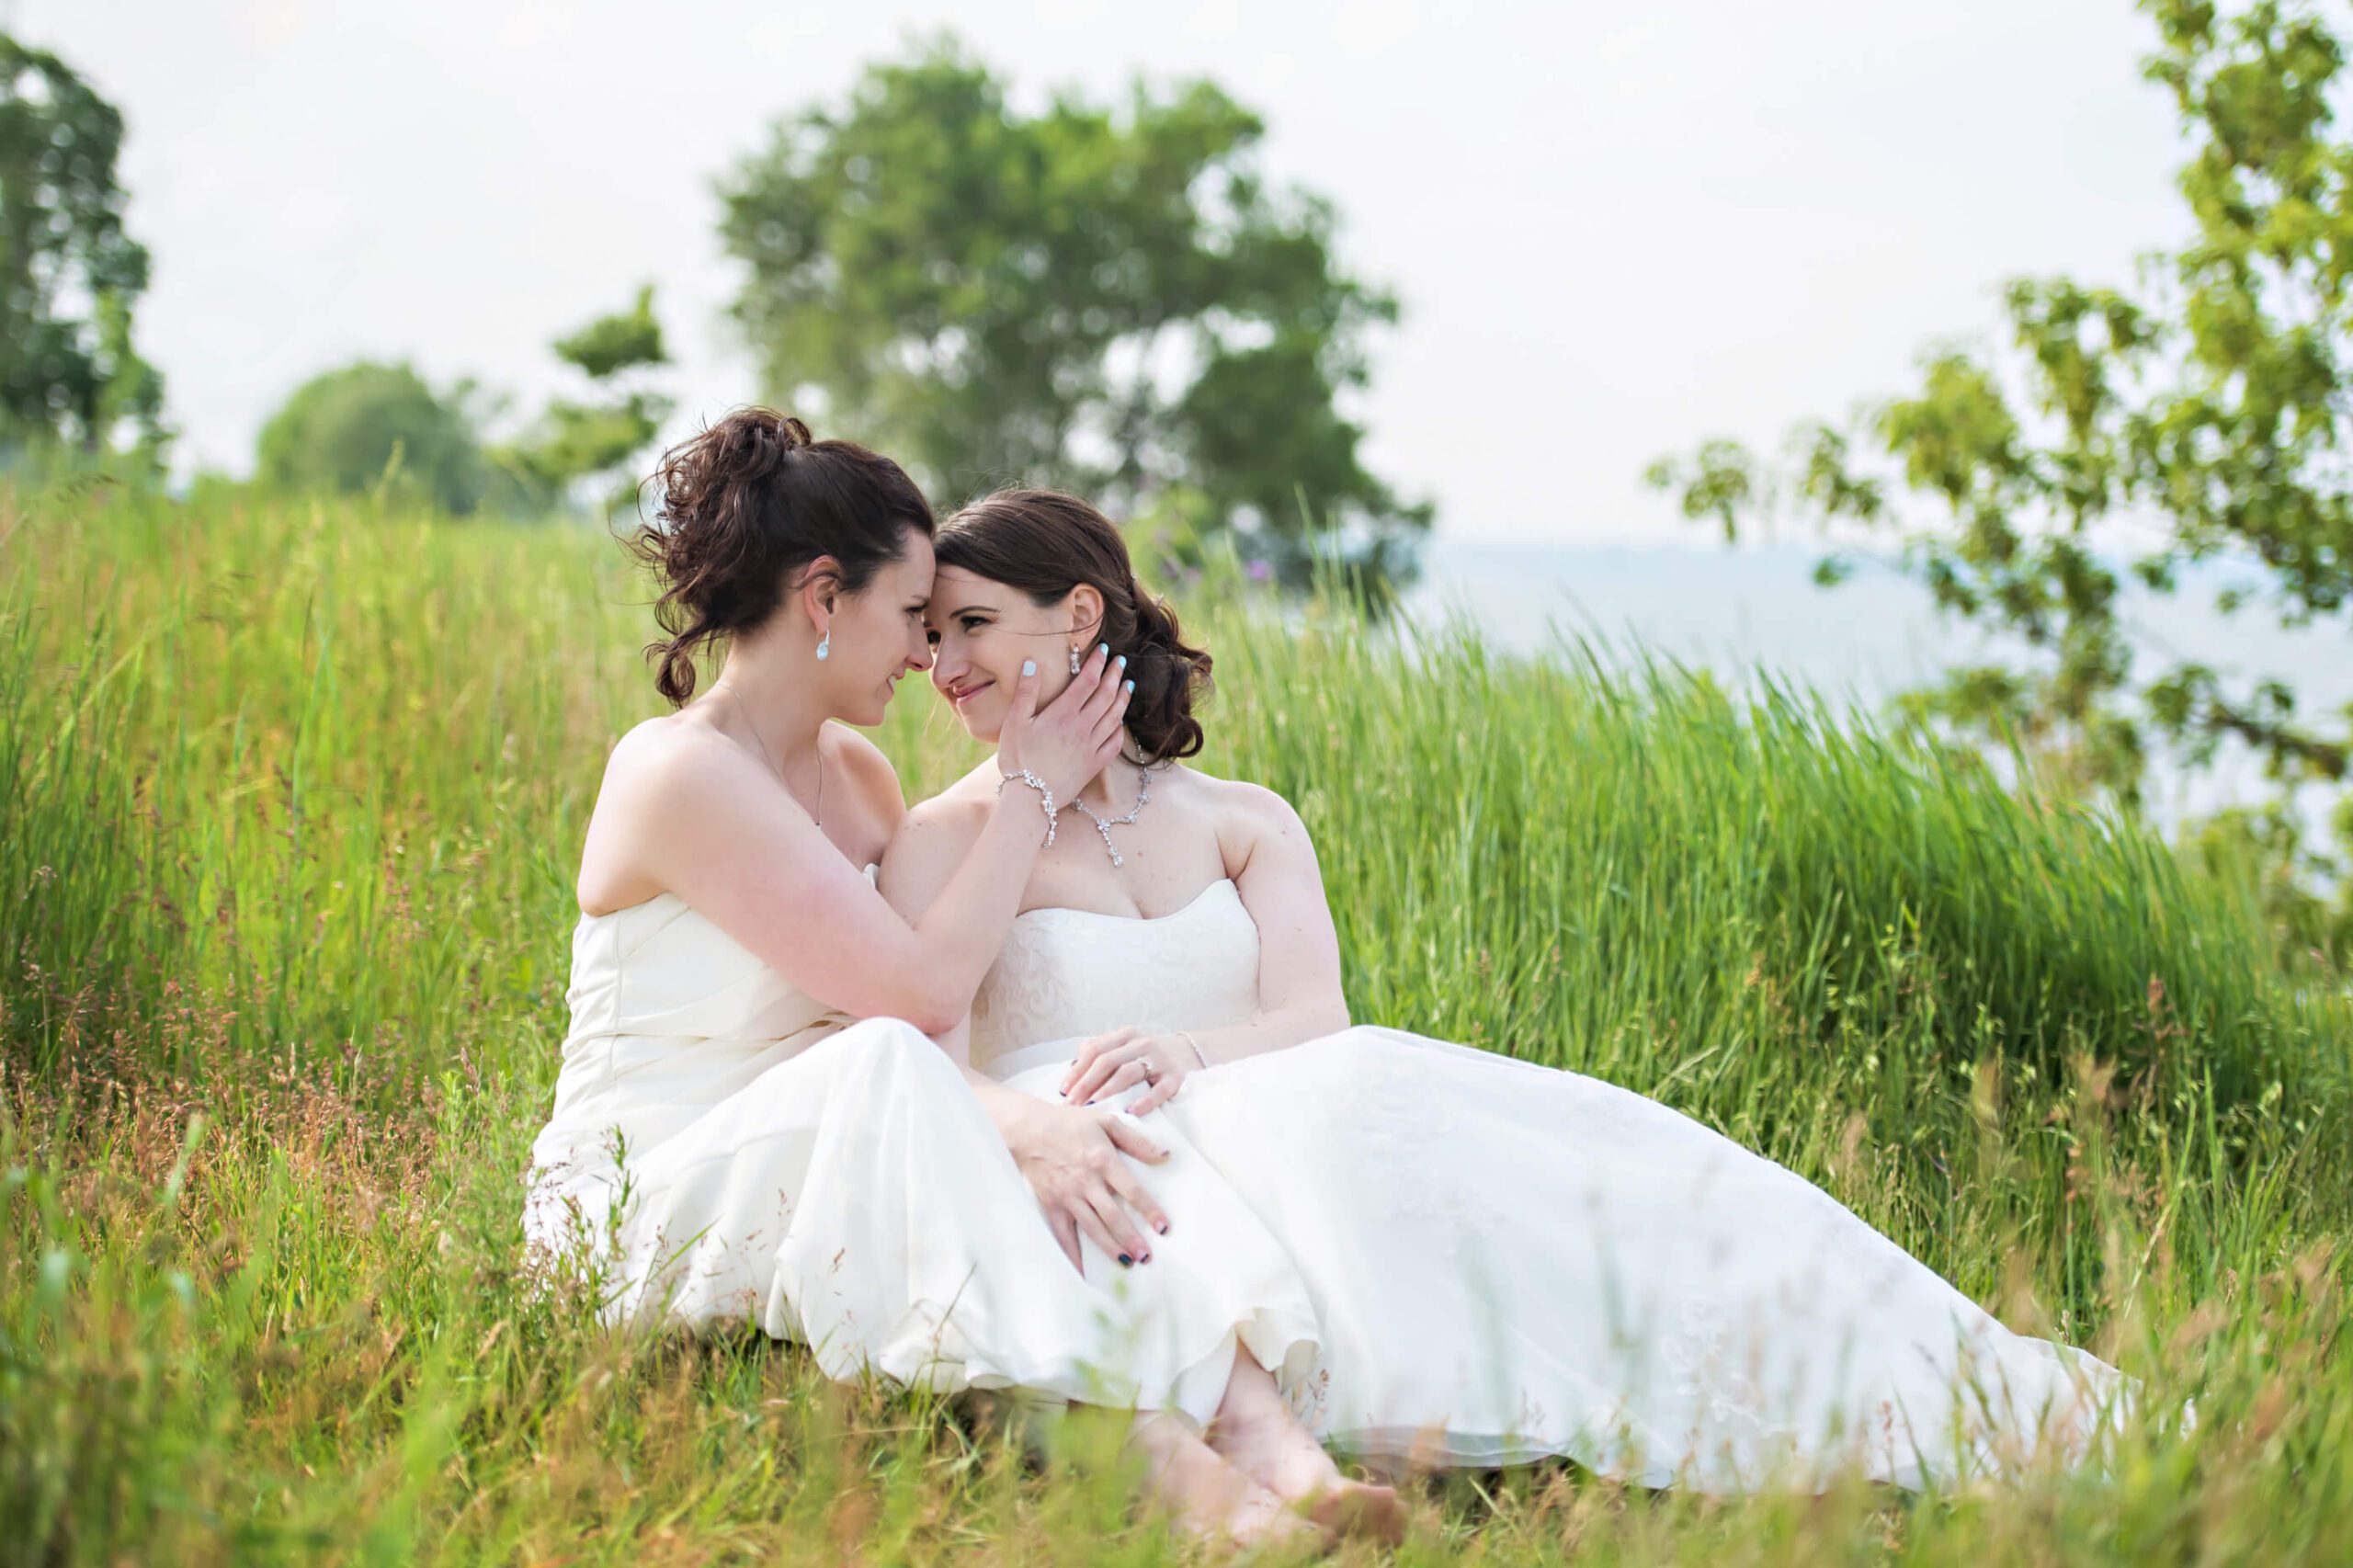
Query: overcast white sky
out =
(1615, 229)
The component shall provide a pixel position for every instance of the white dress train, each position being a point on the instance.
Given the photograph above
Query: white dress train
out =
(1511, 1261)
(725, 1149)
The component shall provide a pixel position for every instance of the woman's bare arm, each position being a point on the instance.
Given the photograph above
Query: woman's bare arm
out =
(705, 825)
(1071, 1157)
(1300, 998)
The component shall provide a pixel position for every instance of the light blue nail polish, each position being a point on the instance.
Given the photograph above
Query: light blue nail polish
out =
(1102, 647)
(1028, 666)
(1124, 660)
(1130, 686)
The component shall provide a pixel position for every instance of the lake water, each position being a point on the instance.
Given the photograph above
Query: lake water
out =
(1736, 610)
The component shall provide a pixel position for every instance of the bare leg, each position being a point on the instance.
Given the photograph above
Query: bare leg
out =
(1255, 1431)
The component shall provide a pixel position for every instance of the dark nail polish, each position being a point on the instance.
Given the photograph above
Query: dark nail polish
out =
(1164, 1230)
(1125, 1260)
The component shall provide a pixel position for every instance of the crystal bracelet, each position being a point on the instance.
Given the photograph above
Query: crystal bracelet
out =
(1026, 776)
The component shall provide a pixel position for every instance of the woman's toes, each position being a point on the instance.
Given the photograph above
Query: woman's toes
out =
(1360, 1510)
(1263, 1517)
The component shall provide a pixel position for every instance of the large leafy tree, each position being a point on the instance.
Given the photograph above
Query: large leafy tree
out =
(2208, 406)
(375, 428)
(1111, 299)
(70, 276)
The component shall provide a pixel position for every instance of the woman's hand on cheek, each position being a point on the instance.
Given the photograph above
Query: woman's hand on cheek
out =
(1076, 734)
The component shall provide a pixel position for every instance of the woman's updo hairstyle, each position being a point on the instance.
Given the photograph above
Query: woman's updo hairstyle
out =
(1044, 543)
(742, 508)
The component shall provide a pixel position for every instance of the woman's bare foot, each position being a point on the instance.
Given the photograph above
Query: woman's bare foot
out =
(1204, 1496)
(1254, 1432)
(1285, 1459)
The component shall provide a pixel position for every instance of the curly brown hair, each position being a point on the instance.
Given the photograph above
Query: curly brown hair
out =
(744, 508)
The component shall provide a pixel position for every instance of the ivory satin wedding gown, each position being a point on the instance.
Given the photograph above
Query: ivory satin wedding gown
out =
(1511, 1261)
(727, 1150)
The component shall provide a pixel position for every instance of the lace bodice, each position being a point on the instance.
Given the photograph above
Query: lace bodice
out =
(1067, 973)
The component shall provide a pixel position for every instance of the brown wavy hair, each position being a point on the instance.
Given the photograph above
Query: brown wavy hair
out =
(742, 509)
(1044, 543)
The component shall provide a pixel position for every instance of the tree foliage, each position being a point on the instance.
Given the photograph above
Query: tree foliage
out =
(1114, 301)
(2207, 405)
(378, 429)
(576, 441)
(70, 276)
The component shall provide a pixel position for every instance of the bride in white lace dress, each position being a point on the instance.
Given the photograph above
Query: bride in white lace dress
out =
(1507, 1261)
(728, 1146)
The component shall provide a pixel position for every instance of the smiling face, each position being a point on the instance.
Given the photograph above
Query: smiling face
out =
(878, 634)
(983, 630)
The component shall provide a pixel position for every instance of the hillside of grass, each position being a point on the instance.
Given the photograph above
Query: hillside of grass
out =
(291, 795)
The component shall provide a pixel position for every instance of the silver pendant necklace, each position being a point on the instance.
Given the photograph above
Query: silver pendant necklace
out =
(817, 815)
(1104, 825)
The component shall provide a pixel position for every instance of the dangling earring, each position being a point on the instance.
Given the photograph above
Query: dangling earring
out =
(825, 645)
(1073, 660)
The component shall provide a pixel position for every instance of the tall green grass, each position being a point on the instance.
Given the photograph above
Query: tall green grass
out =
(290, 799)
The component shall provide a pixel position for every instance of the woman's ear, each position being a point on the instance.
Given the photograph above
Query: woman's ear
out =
(1085, 606)
(820, 586)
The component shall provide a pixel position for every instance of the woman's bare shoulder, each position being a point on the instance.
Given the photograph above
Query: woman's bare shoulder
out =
(1237, 802)
(658, 769)
(655, 754)
(868, 771)
(1246, 815)
(865, 760)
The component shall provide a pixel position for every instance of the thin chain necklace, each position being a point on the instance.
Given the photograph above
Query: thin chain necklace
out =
(1104, 825)
(817, 815)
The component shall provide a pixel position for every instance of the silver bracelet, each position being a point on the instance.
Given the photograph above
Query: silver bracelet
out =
(1026, 776)
(1195, 1045)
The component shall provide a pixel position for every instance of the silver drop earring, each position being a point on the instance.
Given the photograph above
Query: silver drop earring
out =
(1073, 660)
(825, 645)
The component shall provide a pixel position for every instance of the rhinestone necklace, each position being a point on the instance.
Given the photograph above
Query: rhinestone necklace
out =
(1104, 825)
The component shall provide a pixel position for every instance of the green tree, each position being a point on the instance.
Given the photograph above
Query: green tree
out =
(2208, 405)
(1112, 300)
(576, 441)
(69, 275)
(371, 427)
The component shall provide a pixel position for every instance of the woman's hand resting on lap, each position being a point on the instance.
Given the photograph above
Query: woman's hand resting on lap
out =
(1072, 1157)
(1125, 1057)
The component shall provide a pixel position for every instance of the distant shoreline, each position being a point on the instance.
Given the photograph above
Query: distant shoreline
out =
(1733, 609)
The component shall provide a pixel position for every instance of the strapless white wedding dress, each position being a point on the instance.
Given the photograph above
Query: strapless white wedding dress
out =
(839, 1183)
(1511, 1261)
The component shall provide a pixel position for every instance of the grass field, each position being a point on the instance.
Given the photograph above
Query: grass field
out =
(290, 799)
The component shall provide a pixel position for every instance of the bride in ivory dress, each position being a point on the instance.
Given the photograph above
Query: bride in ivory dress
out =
(728, 1146)
(1507, 1261)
